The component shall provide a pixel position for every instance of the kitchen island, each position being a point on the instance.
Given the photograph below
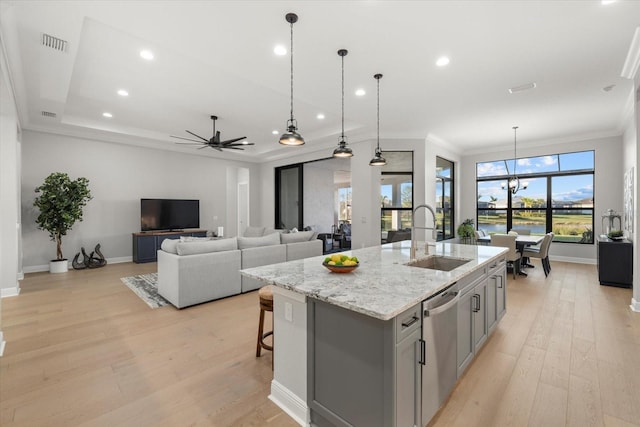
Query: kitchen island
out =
(349, 347)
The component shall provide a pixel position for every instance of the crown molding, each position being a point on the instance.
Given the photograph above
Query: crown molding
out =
(632, 63)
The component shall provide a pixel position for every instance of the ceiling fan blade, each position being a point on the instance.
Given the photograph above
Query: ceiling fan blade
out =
(203, 146)
(232, 147)
(229, 141)
(186, 139)
(238, 144)
(197, 136)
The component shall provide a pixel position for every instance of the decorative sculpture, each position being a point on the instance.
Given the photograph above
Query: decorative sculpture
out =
(94, 260)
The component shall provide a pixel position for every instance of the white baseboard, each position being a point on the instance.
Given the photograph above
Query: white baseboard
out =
(10, 292)
(45, 267)
(635, 305)
(2, 344)
(290, 403)
(574, 260)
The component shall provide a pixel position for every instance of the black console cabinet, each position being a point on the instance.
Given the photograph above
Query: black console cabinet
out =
(146, 244)
(615, 262)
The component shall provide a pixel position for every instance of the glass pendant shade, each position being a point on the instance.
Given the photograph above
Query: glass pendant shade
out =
(378, 160)
(343, 150)
(291, 136)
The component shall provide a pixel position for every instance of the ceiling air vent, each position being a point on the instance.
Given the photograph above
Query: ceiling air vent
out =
(54, 43)
(49, 114)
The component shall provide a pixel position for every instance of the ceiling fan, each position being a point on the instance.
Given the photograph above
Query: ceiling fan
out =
(214, 142)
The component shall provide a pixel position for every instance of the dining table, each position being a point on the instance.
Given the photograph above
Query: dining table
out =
(522, 241)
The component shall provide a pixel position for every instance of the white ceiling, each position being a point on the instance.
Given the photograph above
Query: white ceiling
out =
(216, 57)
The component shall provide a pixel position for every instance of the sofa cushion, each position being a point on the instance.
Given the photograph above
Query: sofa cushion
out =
(300, 236)
(170, 245)
(202, 247)
(271, 230)
(254, 242)
(193, 239)
(254, 232)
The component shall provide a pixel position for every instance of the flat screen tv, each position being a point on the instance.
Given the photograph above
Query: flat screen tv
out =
(169, 214)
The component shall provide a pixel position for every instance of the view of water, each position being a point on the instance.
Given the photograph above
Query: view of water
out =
(501, 228)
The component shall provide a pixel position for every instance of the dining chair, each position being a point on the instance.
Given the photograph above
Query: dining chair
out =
(513, 256)
(542, 253)
(522, 231)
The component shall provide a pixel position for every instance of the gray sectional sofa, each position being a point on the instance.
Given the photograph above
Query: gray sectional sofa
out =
(196, 270)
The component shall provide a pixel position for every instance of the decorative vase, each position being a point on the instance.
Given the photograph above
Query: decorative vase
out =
(58, 266)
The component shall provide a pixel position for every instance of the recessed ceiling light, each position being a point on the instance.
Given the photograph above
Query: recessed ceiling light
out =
(123, 92)
(522, 88)
(320, 116)
(146, 54)
(280, 50)
(360, 92)
(605, 2)
(245, 142)
(107, 115)
(608, 88)
(442, 61)
(275, 132)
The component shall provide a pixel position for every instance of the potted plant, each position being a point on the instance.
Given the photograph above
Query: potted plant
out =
(467, 231)
(60, 201)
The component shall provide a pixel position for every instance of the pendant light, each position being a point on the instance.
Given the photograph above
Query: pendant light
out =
(343, 150)
(291, 136)
(378, 160)
(514, 182)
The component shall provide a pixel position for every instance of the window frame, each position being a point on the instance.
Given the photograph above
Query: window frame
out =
(401, 173)
(549, 209)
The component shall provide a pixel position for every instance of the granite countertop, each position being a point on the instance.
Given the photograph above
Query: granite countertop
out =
(382, 286)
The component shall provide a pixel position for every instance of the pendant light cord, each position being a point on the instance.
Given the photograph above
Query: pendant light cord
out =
(378, 105)
(342, 97)
(515, 155)
(291, 72)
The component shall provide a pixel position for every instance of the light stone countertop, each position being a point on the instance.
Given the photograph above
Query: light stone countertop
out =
(382, 286)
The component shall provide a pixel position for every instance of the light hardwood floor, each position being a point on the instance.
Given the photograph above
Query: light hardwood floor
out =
(83, 350)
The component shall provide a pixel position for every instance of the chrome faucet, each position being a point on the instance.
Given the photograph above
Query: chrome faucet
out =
(414, 242)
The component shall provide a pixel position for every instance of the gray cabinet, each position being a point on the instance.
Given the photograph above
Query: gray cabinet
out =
(496, 295)
(362, 371)
(482, 304)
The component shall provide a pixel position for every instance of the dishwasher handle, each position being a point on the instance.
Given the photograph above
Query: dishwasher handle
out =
(443, 307)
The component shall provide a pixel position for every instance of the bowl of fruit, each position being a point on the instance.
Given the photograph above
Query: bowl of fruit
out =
(338, 263)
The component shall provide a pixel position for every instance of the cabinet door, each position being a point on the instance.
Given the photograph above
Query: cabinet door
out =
(408, 375)
(479, 315)
(501, 294)
(492, 303)
(144, 248)
(465, 330)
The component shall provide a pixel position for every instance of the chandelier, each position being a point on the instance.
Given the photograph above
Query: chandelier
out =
(291, 136)
(378, 160)
(343, 149)
(514, 182)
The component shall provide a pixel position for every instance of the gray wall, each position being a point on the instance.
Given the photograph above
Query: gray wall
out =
(119, 176)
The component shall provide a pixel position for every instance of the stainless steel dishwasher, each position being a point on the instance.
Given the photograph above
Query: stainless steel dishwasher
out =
(439, 349)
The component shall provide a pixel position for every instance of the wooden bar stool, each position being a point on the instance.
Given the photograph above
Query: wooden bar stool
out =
(266, 304)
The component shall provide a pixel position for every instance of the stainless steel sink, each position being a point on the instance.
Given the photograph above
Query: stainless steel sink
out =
(439, 262)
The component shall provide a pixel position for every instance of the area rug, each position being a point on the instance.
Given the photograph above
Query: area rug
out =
(146, 287)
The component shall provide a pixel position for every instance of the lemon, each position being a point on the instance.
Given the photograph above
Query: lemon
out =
(331, 263)
(336, 257)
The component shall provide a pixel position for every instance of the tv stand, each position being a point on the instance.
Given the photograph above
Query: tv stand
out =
(147, 243)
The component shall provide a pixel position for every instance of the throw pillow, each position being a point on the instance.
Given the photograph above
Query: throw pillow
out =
(254, 242)
(170, 245)
(300, 236)
(254, 232)
(203, 247)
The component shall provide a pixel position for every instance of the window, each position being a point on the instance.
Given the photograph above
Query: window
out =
(444, 199)
(344, 204)
(559, 196)
(396, 191)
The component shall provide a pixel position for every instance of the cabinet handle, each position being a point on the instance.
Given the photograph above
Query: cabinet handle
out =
(423, 352)
(500, 281)
(476, 306)
(410, 322)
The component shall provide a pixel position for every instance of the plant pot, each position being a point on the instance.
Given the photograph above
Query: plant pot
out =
(58, 266)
